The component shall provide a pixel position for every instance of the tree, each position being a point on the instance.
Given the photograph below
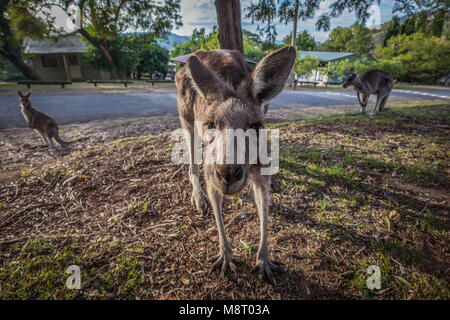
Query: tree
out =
(438, 23)
(422, 58)
(201, 41)
(229, 21)
(305, 66)
(14, 23)
(153, 59)
(304, 42)
(267, 12)
(252, 50)
(422, 20)
(355, 38)
(409, 26)
(101, 22)
(393, 29)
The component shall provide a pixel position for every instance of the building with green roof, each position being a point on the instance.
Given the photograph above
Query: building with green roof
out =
(325, 58)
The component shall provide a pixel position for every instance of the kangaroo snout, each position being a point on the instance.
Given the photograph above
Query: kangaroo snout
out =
(229, 174)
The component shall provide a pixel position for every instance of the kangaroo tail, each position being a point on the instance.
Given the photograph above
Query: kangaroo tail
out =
(55, 135)
(61, 141)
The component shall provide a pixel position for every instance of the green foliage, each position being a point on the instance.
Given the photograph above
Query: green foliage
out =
(304, 41)
(153, 58)
(393, 29)
(26, 23)
(438, 23)
(355, 38)
(421, 58)
(201, 41)
(304, 66)
(409, 26)
(130, 54)
(252, 50)
(417, 22)
(413, 58)
(109, 19)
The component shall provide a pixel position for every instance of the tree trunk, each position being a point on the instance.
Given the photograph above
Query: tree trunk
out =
(102, 46)
(14, 56)
(294, 40)
(229, 21)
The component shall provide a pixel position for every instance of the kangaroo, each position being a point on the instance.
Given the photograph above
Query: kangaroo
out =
(377, 82)
(45, 126)
(218, 89)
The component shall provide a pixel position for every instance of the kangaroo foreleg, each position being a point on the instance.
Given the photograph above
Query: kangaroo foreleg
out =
(261, 190)
(198, 198)
(224, 259)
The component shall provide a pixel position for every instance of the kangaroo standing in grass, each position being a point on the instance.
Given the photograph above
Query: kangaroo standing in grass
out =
(377, 82)
(44, 125)
(218, 90)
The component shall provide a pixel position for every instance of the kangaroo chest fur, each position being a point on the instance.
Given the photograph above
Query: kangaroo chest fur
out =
(29, 115)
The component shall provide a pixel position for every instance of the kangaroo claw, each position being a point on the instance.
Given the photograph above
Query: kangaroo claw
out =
(223, 261)
(266, 268)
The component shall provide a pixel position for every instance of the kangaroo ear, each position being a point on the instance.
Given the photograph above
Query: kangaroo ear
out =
(205, 81)
(269, 76)
(28, 94)
(20, 93)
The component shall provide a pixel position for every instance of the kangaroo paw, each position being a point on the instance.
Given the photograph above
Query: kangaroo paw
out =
(223, 261)
(266, 268)
(200, 201)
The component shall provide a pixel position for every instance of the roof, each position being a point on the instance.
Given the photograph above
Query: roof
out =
(69, 44)
(326, 56)
(183, 59)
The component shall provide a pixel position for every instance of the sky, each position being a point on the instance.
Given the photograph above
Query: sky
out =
(202, 14)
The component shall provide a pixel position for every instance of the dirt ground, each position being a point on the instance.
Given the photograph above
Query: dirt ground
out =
(352, 191)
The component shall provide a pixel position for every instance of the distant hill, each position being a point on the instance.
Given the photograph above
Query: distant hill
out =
(172, 38)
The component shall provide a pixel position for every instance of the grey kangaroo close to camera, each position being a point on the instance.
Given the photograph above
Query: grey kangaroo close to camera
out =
(219, 89)
(45, 126)
(377, 82)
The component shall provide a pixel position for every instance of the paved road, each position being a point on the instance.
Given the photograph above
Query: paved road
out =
(81, 108)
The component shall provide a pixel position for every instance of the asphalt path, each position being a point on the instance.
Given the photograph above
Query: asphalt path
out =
(68, 108)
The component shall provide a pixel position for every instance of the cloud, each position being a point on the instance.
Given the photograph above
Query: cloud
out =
(202, 13)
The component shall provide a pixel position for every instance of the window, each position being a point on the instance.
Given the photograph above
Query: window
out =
(72, 60)
(49, 62)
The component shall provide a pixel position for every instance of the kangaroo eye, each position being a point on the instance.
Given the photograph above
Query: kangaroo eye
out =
(211, 126)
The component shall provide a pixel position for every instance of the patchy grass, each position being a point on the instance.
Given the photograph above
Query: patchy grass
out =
(352, 192)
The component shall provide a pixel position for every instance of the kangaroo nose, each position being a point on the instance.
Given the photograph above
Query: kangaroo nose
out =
(229, 175)
(238, 173)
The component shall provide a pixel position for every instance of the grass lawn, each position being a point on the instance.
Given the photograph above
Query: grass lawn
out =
(139, 85)
(352, 191)
(9, 88)
(400, 85)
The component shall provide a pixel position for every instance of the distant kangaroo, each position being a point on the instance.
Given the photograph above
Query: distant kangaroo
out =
(377, 82)
(44, 125)
(219, 90)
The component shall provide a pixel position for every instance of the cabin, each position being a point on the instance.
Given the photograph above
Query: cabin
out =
(325, 58)
(61, 59)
